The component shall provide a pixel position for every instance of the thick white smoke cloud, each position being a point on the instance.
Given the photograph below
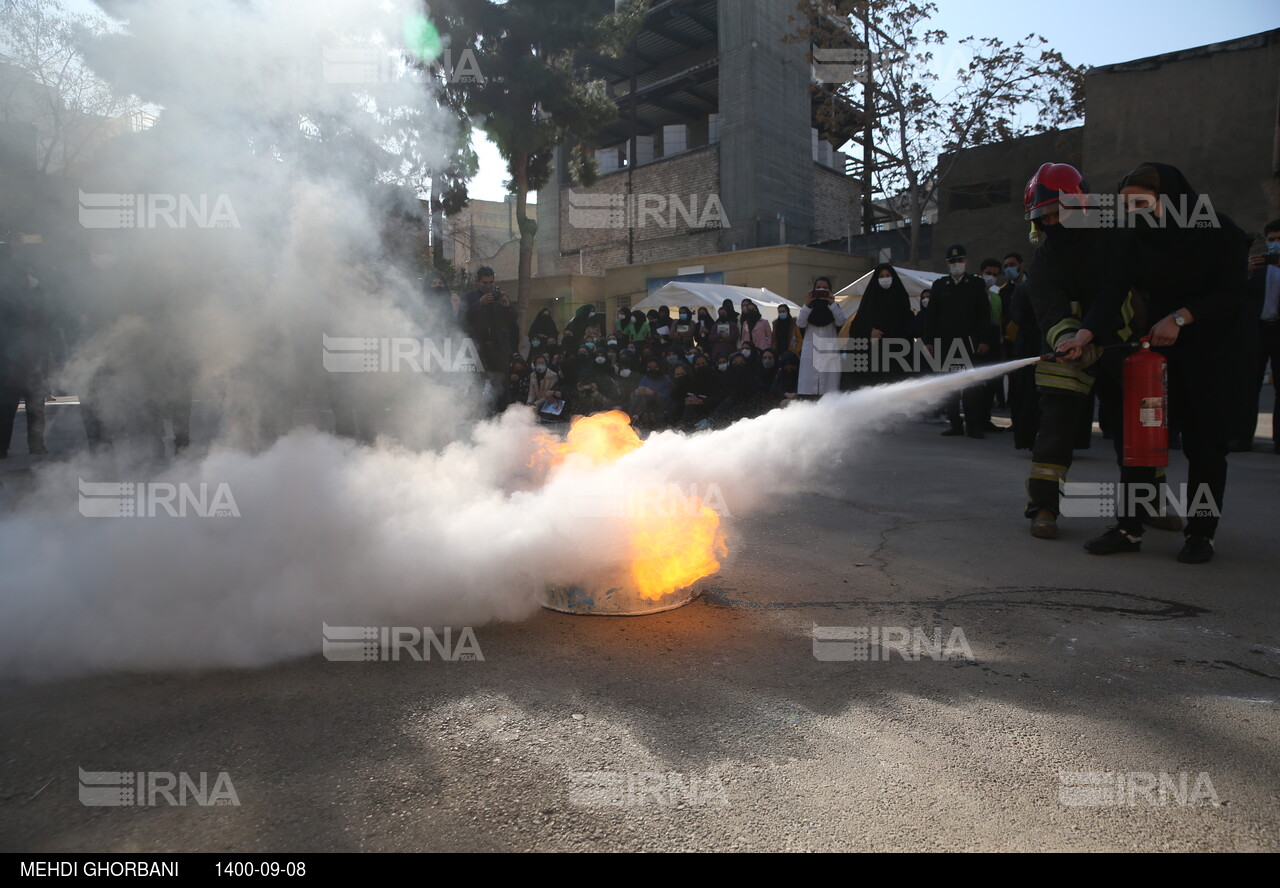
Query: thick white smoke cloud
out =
(330, 532)
(413, 532)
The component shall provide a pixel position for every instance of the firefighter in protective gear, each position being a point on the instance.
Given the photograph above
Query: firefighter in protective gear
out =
(1066, 274)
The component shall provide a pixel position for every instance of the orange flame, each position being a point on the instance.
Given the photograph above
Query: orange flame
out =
(674, 540)
(602, 439)
(673, 551)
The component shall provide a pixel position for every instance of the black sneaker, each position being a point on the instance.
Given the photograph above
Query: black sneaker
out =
(1197, 550)
(1113, 542)
(953, 432)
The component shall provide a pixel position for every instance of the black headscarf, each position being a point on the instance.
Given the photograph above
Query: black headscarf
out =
(680, 386)
(705, 379)
(788, 379)
(543, 325)
(886, 310)
(1198, 268)
(585, 317)
(782, 329)
(767, 374)
(1169, 182)
(743, 382)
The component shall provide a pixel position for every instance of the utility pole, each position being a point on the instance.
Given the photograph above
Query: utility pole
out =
(631, 152)
(869, 133)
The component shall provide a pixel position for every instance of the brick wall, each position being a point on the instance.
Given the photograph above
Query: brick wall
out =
(671, 197)
(835, 205)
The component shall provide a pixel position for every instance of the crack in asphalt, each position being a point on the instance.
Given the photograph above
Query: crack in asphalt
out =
(1164, 609)
(1227, 664)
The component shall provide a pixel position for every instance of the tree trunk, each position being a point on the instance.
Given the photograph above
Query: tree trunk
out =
(916, 208)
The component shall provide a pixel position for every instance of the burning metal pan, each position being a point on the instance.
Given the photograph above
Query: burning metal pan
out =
(605, 600)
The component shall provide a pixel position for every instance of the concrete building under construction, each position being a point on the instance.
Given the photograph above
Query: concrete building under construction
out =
(718, 147)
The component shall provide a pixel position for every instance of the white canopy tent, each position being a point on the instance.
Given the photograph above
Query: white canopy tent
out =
(713, 296)
(916, 282)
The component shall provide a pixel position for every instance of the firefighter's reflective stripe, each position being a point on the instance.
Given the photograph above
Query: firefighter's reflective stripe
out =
(1126, 314)
(1049, 472)
(1062, 378)
(1062, 328)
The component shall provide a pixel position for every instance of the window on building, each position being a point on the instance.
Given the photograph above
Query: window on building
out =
(980, 196)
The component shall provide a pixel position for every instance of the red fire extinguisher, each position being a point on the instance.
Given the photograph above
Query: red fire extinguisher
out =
(1146, 408)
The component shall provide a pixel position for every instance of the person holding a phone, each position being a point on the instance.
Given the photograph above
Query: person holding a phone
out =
(821, 319)
(490, 321)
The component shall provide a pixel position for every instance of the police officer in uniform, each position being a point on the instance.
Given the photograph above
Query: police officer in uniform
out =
(958, 328)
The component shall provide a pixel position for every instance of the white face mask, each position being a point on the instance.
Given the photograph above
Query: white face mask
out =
(625, 374)
(601, 359)
(956, 268)
(990, 279)
(746, 352)
(886, 283)
(768, 363)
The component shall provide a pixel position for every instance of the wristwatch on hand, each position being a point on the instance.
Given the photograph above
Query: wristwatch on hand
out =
(1179, 318)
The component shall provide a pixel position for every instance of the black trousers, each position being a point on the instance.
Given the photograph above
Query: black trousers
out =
(33, 393)
(1200, 378)
(1024, 407)
(973, 398)
(1064, 418)
(1268, 351)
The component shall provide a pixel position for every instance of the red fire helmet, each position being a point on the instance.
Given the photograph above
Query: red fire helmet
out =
(1047, 186)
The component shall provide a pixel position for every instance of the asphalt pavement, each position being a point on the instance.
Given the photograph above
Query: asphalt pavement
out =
(887, 662)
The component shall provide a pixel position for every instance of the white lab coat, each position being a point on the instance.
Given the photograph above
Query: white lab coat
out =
(812, 380)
